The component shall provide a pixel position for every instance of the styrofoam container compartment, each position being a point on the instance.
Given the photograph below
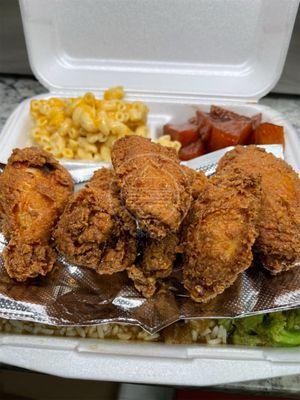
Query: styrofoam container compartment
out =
(176, 56)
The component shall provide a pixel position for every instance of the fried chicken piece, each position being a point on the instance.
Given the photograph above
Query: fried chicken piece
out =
(199, 182)
(220, 235)
(278, 243)
(154, 187)
(156, 263)
(95, 231)
(158, 255)
(144, 284)
(34, 188)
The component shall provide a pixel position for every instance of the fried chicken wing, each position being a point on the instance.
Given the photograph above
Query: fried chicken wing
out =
(143, 283)
(278, 243)
(156, 262)
(220, 234)
(154, 187)
(199, 182)
(95, 231)
(33, 191)
(158, 255)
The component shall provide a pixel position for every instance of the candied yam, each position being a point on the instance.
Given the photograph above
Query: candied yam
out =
(192, 150)
(229, 133)
(256, 120)
(193, 120)
(219, 115)
(213, 131)
(204, 125)
(222, 114)
(250, 139)
(183, 133)
(268, 133)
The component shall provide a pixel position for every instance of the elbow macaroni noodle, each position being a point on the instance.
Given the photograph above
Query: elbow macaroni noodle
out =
(166, 140)
(86, 127)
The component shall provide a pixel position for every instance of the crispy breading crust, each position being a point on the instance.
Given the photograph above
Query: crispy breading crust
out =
(218, 241)
(278, 243)
(156, 263)
(144, 284)
(158, 255)
(199, 184)
(155, 188)
(95, 231)
(34, 188)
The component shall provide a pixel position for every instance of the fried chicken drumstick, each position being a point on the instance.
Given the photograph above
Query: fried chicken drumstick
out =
(220, 233)
(154, 187)
(34, 189)
(95, 231)
(278, 243)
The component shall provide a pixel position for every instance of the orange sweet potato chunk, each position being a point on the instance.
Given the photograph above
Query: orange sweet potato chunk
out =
(229, 133)
(267, 133)
(193, 150)
(184, 133)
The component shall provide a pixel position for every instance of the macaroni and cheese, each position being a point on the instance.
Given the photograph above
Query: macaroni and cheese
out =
(86, 127)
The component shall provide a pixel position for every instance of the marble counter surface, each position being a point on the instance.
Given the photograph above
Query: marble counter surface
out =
(14, 89)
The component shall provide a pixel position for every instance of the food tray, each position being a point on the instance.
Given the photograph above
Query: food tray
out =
(74, 48)
(131, 362)
(182, 365)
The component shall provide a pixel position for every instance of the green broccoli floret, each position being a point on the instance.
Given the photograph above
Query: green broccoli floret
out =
(242, 338)
(283, 328)
(249, 331)
(275, 329)
(250, 324)
(293, 319)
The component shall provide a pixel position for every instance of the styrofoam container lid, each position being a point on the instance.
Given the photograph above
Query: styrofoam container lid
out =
(222, 48)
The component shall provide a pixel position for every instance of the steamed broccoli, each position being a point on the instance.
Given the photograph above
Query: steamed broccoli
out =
(249, 331)
(293, 319)
(283, 329)
(275, 329)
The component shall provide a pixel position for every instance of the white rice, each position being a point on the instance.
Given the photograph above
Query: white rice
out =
(195, 331)
(206, 332)
(214, 341)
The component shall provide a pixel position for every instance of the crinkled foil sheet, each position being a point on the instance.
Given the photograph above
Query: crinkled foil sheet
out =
(71, 295)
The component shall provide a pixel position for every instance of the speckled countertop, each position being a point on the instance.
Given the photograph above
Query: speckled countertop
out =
(14, 89)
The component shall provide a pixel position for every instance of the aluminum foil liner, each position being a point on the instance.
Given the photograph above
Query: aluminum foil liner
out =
(71, 295)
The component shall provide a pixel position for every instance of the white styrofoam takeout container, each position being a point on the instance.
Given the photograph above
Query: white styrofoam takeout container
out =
(174, 55)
